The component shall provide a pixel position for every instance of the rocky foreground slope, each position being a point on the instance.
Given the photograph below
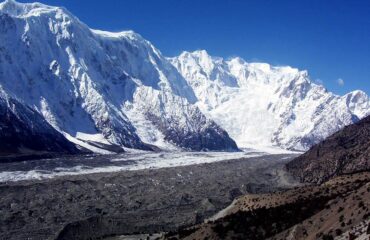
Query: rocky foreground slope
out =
(344, 152)
(338, 209)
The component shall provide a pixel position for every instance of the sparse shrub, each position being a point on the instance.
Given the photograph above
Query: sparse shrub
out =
(338, 231)
(327, 237)
(366, 216)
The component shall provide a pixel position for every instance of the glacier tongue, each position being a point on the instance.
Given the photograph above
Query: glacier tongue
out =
(82, 81)
(262, 105)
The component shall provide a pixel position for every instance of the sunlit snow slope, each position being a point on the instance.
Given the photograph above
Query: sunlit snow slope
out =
(92, 85)
(117, 88)
(262, 105)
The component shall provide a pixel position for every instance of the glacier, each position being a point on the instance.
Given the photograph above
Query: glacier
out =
(128, 161)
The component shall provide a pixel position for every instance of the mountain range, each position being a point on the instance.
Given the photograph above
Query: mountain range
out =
(263, 105)
(96, 88)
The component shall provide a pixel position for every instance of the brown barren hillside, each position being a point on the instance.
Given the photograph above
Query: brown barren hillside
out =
(327, 211)
(344, 152)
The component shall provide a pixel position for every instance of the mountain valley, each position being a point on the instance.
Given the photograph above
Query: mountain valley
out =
(104, 137)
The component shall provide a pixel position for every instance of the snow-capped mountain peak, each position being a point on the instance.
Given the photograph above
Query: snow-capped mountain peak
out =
(92, 84)
(117, 88)
(24, 10)
(264, 105)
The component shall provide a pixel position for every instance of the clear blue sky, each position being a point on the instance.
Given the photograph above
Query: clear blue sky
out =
(329, 38)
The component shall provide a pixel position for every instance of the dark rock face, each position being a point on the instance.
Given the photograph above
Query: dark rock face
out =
(344, 152)
(207, 135)
(25, 130)
(210, 139)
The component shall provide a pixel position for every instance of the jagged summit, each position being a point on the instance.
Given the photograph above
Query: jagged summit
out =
(91, 85)
(264, 105)
(16, 9)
